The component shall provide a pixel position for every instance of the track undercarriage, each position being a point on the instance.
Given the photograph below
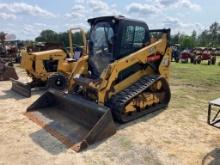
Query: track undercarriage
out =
(147, 95)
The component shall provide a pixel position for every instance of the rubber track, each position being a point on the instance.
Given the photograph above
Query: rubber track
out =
(119, 101)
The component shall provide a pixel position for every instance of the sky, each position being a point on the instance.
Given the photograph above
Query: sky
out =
(27, 18)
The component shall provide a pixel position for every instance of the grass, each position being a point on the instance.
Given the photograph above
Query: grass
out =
(194, 85)
(201, 75)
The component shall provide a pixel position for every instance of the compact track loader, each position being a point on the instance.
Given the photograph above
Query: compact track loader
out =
(42, 68)
(124, 77)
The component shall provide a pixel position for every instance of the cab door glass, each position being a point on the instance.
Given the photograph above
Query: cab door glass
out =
(133, 39)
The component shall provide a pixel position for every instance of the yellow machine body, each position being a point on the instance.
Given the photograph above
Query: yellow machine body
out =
(106, 85)
(43, 67)
(110, 74)
(33, 63)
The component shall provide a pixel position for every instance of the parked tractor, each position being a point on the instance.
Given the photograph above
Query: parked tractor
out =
(185, 56)
(205, 54)
(217, 51)
(196, 53)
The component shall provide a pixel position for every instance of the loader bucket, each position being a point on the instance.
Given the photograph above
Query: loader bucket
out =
(21, 88)
(74, 121)
(7, 72)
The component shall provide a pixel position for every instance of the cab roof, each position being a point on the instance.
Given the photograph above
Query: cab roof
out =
(116, 18)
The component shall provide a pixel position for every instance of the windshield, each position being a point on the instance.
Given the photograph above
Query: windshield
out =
(101, 46)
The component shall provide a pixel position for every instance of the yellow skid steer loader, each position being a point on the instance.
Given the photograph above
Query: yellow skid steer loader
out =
(125, 76)
(42, 67)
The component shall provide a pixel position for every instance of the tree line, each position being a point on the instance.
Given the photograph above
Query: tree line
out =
(207, 38)
(62, 38)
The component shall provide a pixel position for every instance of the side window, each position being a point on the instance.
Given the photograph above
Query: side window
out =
(133, 38)
(128, 35)
(139, 36)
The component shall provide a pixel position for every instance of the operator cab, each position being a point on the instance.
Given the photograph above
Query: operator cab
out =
(112, 38)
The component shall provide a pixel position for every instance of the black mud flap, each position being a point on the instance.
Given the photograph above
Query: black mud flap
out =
(21, 88)
(74, 121)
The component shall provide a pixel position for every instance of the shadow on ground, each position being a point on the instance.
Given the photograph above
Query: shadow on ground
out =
(212, 158)
(48, 142)
(139, 120)
(12, 94)
(132, 123)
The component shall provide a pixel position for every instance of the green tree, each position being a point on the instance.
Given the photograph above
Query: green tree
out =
(63, 38)
(175, 39)
(194, 38)
(214, 30)
(218, 40)
(186, 41)
(204, 39)
(47, 36)
(77, 38)
(51, 36)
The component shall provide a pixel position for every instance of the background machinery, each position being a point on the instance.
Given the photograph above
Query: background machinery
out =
(208, 55)
(8, 55)
(204, 54)
(185, 56)
(41, 66)
(7, 71)
(43, 46)
(9, 51)
(125, 76)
